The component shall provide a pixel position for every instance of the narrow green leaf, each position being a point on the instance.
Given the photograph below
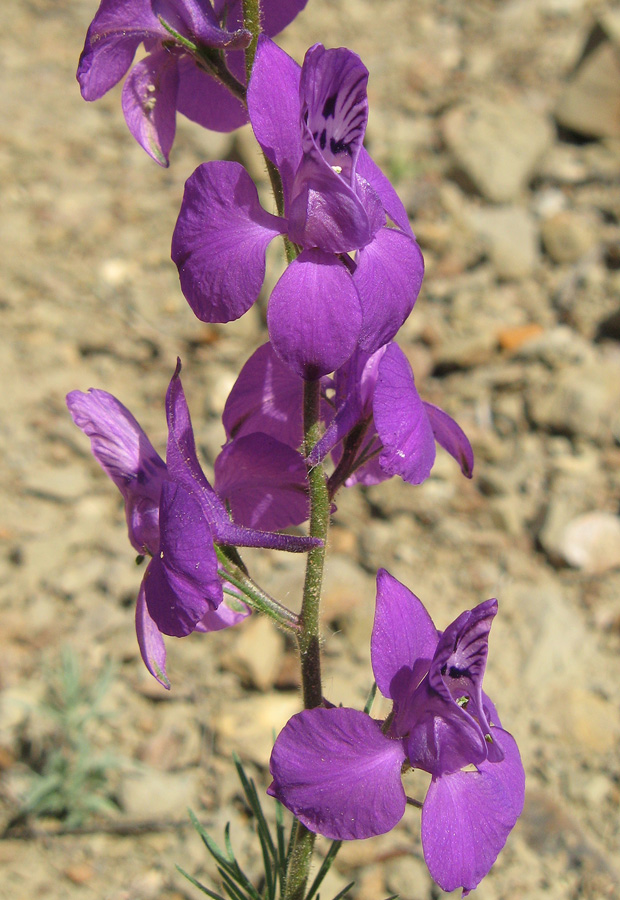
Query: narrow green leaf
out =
(281, 845)
(254, 803)
(344, 891)
(218, 855)
(237, 872)
(371, 698)
(235, 890)
(201, 887)
(178, 37)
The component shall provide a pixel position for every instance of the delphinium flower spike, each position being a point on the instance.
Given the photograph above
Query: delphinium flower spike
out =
(192, 47)
(372, 412)
(359, 268)
(175, 516)
(339, 771)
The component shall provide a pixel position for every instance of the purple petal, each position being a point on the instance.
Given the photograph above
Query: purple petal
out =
(220, 240)
(451, 437)
(490, 711)
(266, 397)
(230, 612)
(314, 315)
(368, 474)
(263, 481)
(458, 666)
(182, 582)
(354, 384)
(275, 14)
(388, 277)
(149, 103)
(442, 737)
(114, 35)
(403, 637)
(124, 452)
(197, 21)
(273, 105)
(184, 468)
(402, 424)
(334, 106)
(359, 377)
(150, 642)
(347, 416)
(370, 172)
(352, 401)
(326, 212)
(204, 100)
(337, 772)
(467, 817)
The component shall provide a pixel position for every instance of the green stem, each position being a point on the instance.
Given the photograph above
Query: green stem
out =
(251, 21)
(213, 62)
(255, 596)
(309, 638)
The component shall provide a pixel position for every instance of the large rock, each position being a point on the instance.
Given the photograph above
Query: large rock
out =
(497, 145)
(591, 542)
(590, 103)
(510, 236)
(579, 401)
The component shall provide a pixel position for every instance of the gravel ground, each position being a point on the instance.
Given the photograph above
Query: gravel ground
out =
(499, 123)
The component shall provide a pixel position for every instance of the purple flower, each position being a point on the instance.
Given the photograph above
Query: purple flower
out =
(310, 124)
(175, 33)
(339, 771)
(174, 515)
(377, 425)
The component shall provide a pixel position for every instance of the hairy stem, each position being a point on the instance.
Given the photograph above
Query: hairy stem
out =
(309, 638)
(255, 596)
(251, 21)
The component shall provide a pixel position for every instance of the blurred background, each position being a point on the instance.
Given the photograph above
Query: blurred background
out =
(499, 123)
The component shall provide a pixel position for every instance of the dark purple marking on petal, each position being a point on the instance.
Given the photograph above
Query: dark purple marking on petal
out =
(334, 106)
(314, 315)
(458, 667)
(402, 424)
(467, 817)
(337, 772)
(451, 437)
(220, 240)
